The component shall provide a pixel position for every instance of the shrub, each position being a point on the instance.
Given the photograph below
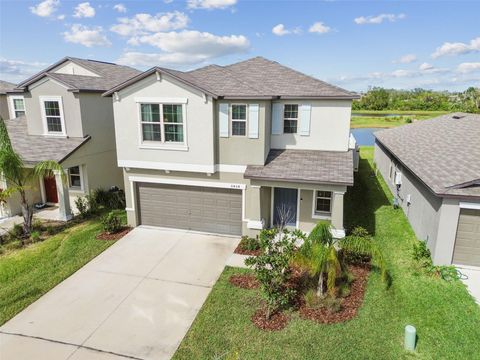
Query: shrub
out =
(13, 245)
(111, 223)
(250, 244)
(50, 230)
(82, 206)
(113, 199)
(93, 205)
(272, 268)
(359, 232)
(35, 236)
(420, 251)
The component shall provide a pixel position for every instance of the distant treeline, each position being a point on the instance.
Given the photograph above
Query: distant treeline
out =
(419, 99)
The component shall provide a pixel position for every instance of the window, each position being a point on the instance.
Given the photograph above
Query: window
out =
(18, 105)
(323, 202)
(290, 118)
(53, 115)
(162, 122)
(75, 177)
(239, 120)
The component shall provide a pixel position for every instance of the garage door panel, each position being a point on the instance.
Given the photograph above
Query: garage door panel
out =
(197, 208)
(467, 243)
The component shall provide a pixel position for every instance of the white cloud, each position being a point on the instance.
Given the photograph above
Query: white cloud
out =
(142, 24)
(45, 8)
(403, 73)
(84, 10)
(319, 28)
(210, 4)
(61, 17)
(280, 30)
(425, 67)
(406, 59)
(468, 67)
(18, 70)
(378, 19)
(457, 48)
(86, 36)
(167, 1)
(154, 59)
(120, 8)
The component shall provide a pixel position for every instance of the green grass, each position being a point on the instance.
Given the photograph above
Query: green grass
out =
(446, 317)
(387, 122)
(28, 273)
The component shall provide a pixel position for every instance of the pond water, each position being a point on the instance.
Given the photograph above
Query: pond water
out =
(378, 115)
(364, 136)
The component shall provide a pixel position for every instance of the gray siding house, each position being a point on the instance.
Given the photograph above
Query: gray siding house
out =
(234, 149)
(433, 170)
(60, 114)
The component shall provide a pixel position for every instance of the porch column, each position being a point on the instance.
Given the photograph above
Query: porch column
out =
(254, 214)
(337, 215)
(63, 197)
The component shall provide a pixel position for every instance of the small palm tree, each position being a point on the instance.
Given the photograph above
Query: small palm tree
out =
(324, 257)
(17, 176)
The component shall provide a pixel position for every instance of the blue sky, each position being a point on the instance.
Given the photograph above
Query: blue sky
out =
(354, 44)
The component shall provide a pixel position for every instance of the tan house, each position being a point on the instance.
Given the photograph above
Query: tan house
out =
(433, 170)
(234, 149)
(60, 114)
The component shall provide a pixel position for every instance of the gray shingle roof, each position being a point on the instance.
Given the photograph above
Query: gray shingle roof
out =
(110, 75)
(305, 166)
(6, 86)
(254, 78)
(35, 148)
(444, 153)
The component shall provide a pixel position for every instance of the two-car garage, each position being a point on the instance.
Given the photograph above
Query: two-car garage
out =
(199, 208)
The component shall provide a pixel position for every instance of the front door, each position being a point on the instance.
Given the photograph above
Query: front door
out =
(285, 207)
(51, 189)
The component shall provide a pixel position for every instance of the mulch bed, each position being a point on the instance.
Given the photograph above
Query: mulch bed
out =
(241, 251)
(115, 236)
(244, 281)
(277, 321)
(349, 306)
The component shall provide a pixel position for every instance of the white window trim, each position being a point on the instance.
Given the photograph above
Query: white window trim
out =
(42, 100)
(320, 214)
(12, 105)
(284, 118)
(76, 188)
(162, 145)
(238, 120)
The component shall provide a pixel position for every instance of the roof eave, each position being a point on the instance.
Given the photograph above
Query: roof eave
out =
(297, 180)
(88, 137)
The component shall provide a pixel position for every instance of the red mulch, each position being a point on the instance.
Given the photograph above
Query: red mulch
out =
(349, 306)
(244, 281)
(276, 322)
(241, 251)
(115, 236)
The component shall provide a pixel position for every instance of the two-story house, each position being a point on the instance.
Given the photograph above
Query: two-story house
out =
(233, 149)
(60, 114)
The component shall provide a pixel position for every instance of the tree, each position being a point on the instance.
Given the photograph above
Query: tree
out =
(324, 256)
(18, 176)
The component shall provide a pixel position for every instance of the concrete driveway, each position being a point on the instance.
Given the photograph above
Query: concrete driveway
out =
(136, 300)
(471, 278)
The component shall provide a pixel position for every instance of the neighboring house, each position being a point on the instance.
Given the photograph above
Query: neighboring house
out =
(234, 149)
(59, 114)
(433, 168)
(5, 88)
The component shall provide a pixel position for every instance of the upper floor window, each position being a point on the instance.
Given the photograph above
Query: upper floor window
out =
(323, 202)
(290, 118)
(53, 115)
(162, 122)
(239, 120)
(18, 106)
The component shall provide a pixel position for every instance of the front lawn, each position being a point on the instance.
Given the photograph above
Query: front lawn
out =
(28, 273)
(446, 317)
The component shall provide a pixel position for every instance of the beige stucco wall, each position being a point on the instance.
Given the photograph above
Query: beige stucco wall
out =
(13, 206)
(199, 123)
(71, 108)
(4, 113)
(329, 127)
(73, 69)
(242, 150)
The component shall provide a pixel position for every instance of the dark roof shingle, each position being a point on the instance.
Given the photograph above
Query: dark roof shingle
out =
(444, 153)
(305, 166)
(6, 86)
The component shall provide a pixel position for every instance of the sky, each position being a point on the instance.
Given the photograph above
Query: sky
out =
(353, 44)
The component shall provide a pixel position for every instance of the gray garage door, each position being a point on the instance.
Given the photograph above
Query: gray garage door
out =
(467, 244)
(190, 207)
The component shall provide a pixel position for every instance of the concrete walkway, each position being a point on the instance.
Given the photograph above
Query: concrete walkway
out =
(136, 300)
(471, 278)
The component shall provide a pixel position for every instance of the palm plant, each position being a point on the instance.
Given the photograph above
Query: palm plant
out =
(18, 176)
(324, 257)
